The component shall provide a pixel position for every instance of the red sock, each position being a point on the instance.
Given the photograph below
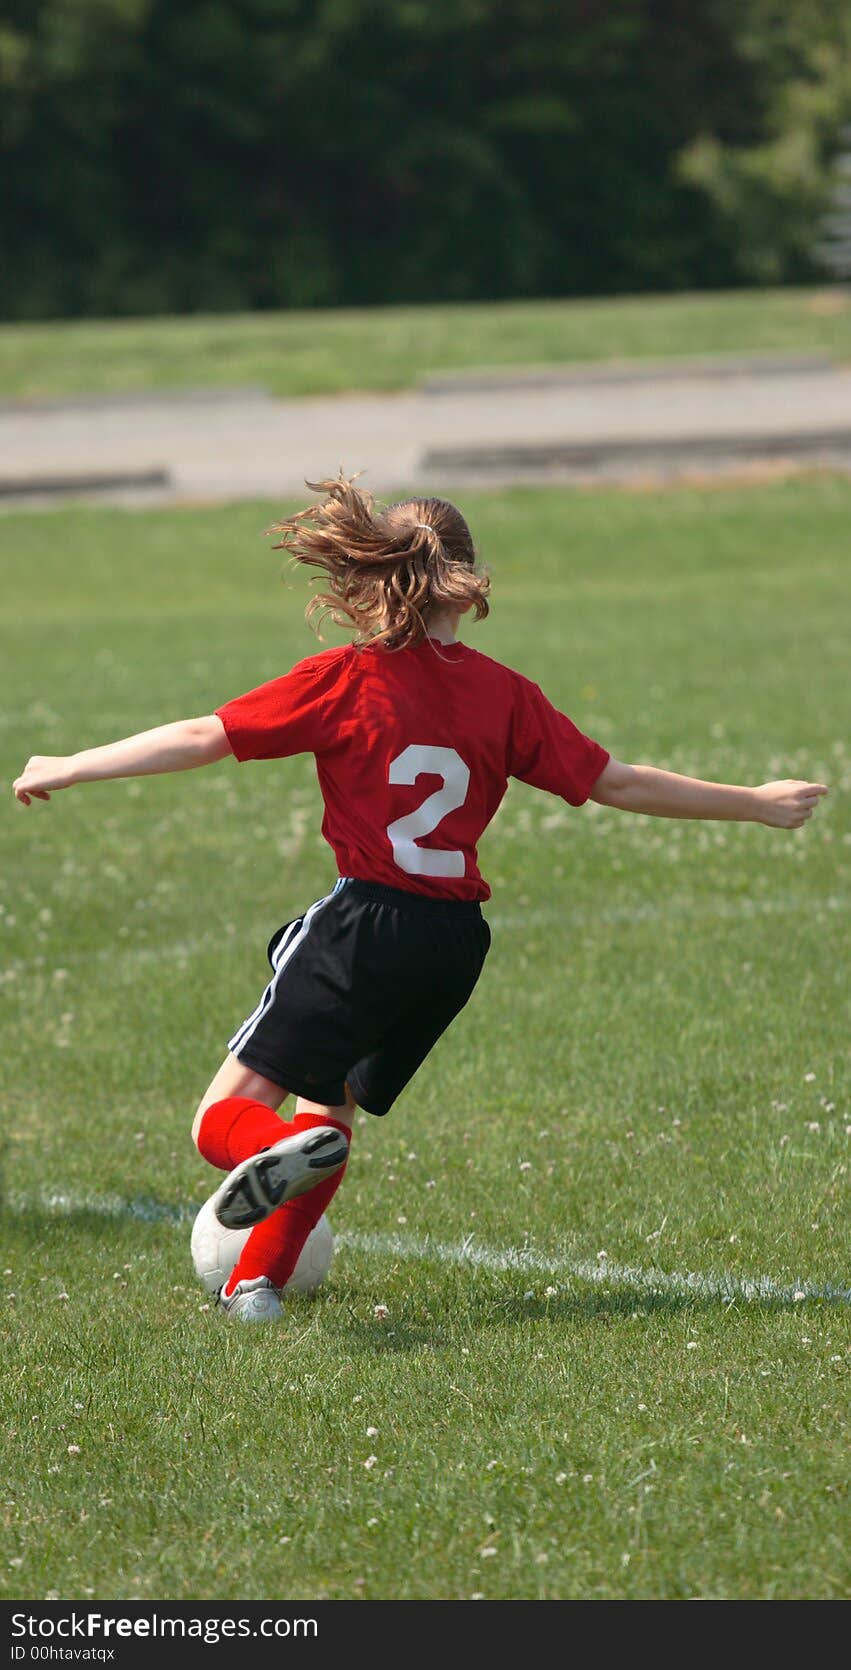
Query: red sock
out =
(234, 1129)
(274, 1246)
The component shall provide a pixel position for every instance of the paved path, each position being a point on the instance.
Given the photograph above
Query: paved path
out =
(576, 423)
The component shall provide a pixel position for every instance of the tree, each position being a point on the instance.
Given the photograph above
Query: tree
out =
(223, 154)
(834, 249)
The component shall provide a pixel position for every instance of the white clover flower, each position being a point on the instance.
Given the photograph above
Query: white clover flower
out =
(372, 1432)
(488, 1552)
(560, 1478)
(73, 1449)
(370, 1462)
(380, 1312)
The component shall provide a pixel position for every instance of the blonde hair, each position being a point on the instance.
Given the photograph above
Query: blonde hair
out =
(387, 567)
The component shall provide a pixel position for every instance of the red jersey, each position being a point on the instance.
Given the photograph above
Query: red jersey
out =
(414, 749)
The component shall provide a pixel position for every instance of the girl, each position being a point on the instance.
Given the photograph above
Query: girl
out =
(415, 736)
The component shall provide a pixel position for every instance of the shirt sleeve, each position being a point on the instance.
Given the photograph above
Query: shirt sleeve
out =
(549, 751)
(277, 719)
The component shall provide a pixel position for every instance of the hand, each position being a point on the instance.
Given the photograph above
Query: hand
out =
(41, 773)
(787, 804)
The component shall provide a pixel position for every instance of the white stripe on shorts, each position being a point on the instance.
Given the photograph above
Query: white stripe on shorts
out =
(292, 939)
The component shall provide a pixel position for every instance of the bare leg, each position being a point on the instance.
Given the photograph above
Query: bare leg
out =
(342, 1115)
(234, 1079)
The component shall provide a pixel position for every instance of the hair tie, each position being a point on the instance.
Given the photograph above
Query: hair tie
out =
(427, 525)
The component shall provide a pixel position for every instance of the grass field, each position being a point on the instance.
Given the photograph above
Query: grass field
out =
(649, 1094)
(392, 348)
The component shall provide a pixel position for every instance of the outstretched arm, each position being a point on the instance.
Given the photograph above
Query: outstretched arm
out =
(177, 747)
(664, 794)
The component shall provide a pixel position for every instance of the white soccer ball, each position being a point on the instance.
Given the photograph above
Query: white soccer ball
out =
(215, 1251)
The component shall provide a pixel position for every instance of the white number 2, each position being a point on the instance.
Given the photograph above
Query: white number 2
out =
(404, 833)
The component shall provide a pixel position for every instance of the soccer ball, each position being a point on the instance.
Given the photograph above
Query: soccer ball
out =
(215, 1251)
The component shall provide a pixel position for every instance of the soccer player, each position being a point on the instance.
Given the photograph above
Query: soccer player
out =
(415, 736)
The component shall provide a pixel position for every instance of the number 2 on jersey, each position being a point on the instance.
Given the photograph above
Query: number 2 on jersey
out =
(403, 835)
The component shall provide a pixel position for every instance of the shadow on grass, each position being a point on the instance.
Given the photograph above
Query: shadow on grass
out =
(410, 1329)
(61, 1212)
(61, 1234)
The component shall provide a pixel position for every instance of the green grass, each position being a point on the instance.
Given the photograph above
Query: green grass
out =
(393, 348)
(654, 1067)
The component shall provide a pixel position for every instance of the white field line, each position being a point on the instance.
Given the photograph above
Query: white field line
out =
(720, 1285)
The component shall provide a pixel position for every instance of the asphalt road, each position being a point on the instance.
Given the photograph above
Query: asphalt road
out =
(568, 423)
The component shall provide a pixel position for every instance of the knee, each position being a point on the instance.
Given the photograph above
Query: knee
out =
(197, 1122)
(210, 1099)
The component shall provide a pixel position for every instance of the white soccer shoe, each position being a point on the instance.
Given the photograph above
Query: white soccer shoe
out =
(257, 1186)
(253, 1301)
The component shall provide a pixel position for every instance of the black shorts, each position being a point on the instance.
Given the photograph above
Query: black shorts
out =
(365, 982)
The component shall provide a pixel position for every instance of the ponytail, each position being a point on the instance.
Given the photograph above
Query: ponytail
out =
(387, 569)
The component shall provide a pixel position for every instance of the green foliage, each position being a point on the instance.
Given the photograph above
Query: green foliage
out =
(233, 154)
(767, 195)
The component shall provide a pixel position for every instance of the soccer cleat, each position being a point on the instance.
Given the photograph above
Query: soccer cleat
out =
(257, 1186)
(253, 1301)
